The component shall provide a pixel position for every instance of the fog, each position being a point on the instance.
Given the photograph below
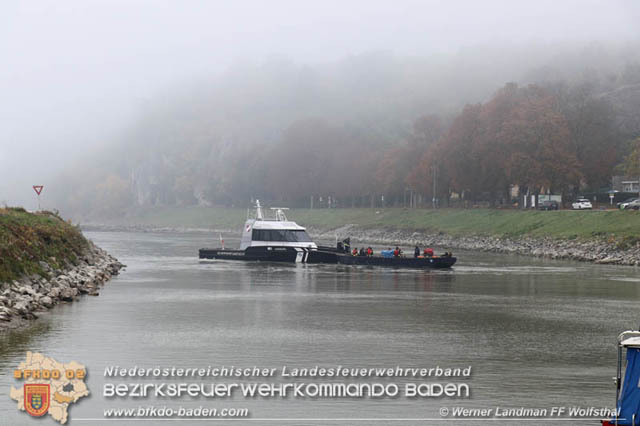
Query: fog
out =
(75, 75)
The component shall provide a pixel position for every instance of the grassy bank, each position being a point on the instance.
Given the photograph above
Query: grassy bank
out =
(27, 238)
(506, 223)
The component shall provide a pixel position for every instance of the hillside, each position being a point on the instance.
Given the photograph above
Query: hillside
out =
(347, 129)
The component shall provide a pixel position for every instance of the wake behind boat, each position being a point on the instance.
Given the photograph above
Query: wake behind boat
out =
(278, 239)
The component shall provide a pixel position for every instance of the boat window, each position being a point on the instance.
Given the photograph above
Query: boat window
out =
(298, 236)
(292, 236)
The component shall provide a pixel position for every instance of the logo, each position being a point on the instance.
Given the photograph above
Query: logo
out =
(49, 387)
(36, 399)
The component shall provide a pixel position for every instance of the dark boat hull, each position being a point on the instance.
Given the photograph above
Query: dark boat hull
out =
(298, 255)
(271, 254)
(399, 262)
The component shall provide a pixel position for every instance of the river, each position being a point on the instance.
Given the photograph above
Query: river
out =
(537, 333)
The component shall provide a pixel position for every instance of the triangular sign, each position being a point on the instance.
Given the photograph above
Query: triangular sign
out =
(38, 188)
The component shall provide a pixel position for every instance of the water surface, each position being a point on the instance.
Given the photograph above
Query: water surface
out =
(537, 333)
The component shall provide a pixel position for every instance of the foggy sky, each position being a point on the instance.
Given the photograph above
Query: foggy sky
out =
(73, 73)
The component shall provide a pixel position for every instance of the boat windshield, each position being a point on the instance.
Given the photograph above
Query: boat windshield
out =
(288, 235)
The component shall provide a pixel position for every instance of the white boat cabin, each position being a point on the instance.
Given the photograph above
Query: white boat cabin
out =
(274, 232)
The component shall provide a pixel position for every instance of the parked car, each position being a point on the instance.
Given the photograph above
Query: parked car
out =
(581, 204)
(548, 205)
(633, 205)
(621, 205)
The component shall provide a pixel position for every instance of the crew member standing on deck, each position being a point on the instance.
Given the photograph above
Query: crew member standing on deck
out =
(416, 252)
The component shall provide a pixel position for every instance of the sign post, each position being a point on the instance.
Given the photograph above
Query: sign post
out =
(38, 189)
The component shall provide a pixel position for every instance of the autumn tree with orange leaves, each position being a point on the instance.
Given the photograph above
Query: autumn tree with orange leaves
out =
(520, 137)
(540, 140)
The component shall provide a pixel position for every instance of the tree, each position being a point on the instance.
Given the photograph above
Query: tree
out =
(593, 137)
(518, 137)
(631, 164)
(457, 153)
(536, 137)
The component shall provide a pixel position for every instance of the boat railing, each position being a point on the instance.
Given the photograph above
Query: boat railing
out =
(279, 212)
(258, 214)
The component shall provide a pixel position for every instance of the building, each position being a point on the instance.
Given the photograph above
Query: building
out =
(625, 183)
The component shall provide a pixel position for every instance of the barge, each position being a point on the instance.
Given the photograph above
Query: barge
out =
(406, 262)
(278, 239)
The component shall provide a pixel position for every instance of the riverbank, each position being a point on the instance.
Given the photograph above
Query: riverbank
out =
(45, 261)
(609, 236)
(564, 224)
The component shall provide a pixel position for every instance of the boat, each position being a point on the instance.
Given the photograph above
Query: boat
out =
(277, 239)
(273, 239)
(627, 412)
(399, 261)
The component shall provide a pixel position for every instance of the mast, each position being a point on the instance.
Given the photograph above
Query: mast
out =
(258, 210)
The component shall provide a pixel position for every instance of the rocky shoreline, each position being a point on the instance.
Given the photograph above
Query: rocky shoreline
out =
(597, 250)
(21, 300)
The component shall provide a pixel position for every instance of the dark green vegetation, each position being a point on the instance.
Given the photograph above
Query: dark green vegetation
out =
(623, 226)
(375, 125)
(27, 238)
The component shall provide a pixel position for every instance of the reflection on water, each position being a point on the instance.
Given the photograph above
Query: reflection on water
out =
(16, 342)
(537, 333)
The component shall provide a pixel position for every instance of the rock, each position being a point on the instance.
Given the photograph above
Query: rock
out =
(7, 311)
(21, 298)
(608, 260)
(46, 301)
(67, 295)
(54, 293)
(27, 290)
(21, 308)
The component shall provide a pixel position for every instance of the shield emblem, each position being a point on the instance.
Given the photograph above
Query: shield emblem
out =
(36, 399)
